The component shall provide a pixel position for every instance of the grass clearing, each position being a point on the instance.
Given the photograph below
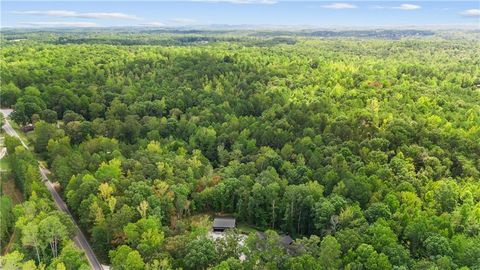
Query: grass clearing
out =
(4, 166)
(7, 184)
(10, 189)
(245, 228)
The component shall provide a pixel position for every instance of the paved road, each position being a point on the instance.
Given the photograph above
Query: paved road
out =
(3, 152)
(80, 239)
(8, 128)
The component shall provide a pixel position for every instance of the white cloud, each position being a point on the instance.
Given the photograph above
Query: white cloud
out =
(407, 7)
(265, 2)
(59, 24)
(402, 7)
(377, 7)
(108, 15)
(74, 14)
(340, 6)
(471, 13)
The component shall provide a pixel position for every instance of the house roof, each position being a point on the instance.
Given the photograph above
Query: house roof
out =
(224, 222)
(284, 238)
(261, 235)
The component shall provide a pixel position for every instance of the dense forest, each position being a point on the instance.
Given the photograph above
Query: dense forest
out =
(365, 151)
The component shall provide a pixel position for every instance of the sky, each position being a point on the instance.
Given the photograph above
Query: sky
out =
(196, 13)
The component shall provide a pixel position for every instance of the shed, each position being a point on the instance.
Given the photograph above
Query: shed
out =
(220, 224)
(284, 239)
(28, 128)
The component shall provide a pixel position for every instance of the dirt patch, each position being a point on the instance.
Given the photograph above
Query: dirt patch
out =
(9, 189)
(10, 243)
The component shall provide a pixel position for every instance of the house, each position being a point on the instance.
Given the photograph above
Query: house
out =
(220, 224)
(28, 128)
(285, 239)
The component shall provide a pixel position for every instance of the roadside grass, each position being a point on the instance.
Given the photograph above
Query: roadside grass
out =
(30, 137)
(20, 133)
(9, 189)
(42, 162)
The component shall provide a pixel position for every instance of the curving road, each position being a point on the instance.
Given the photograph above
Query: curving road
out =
(80, 239)
(3, 152)
(8, 128)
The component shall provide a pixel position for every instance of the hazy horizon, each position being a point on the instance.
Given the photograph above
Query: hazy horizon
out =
(252, 14)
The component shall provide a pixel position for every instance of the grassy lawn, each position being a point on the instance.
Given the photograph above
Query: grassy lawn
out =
(245, 228)
(7, 185)
(4, 165)
(10, 190)
(200, 220)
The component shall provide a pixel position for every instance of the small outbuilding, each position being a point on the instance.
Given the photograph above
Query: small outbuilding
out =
(28, 128)
(220, 224)
(284, 239)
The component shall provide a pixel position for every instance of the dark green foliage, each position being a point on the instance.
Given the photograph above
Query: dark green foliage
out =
(7, 219)
(364, 151)
(200, 254)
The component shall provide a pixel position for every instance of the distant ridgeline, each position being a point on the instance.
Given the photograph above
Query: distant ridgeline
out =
(128, 36)
(383, 34)
(389, 34)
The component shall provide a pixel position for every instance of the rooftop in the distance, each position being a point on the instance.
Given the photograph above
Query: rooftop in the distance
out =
(284, 238)
(224, 222)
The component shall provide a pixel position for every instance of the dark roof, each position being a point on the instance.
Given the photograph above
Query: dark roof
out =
(261, 235)
(28, 128)
(224, 222)
(284, 238)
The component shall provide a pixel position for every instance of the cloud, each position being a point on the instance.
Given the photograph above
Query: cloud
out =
(264, 2)
(471, 13)
(377, 7)
(59, 24)
(74, 14)
(402, 7)
(339, 6)
(407, 7)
